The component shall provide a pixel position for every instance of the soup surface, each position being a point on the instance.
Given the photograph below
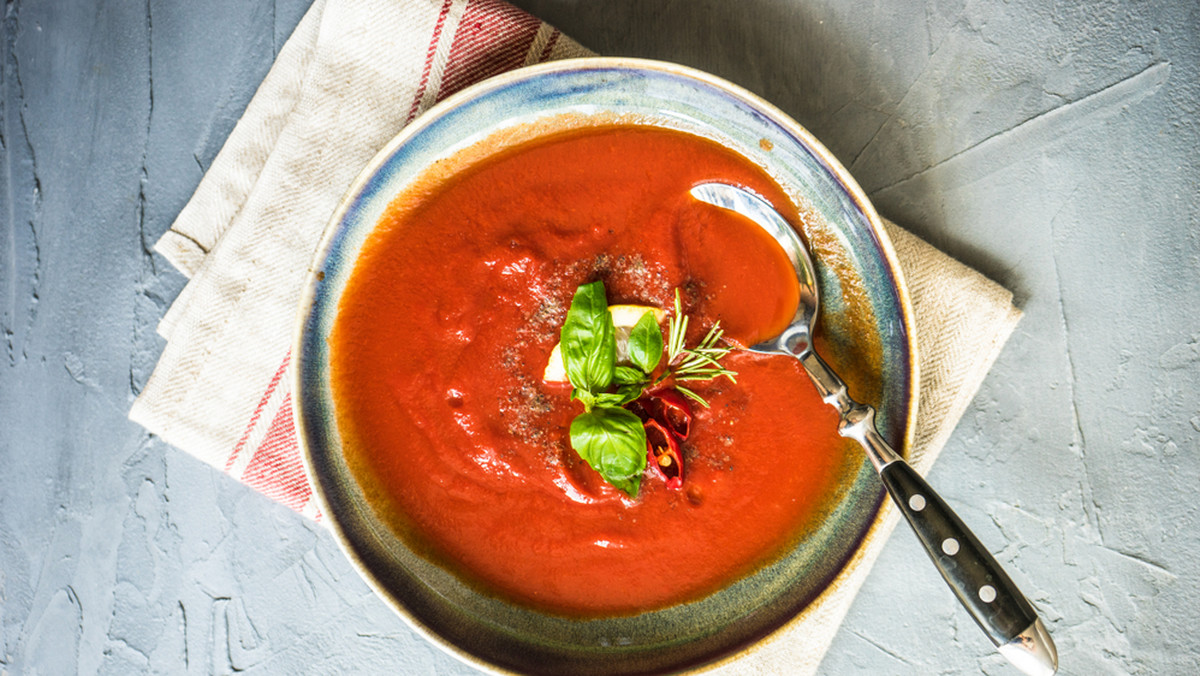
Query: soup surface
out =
(445, 328)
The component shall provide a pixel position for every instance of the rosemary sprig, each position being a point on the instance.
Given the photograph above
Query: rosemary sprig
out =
(698, 363)
(676, 331)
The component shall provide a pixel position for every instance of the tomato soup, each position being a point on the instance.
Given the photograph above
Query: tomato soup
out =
(445, 328)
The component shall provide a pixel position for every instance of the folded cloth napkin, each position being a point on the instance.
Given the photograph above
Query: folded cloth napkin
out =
(352, 75)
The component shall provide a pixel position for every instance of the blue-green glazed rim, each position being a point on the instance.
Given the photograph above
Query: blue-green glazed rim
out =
(501, 637)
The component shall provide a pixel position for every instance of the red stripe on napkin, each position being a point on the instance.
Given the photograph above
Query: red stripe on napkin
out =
(549, 46)
(493, 37)
(430, 52)
(277, 470)
(258, 411)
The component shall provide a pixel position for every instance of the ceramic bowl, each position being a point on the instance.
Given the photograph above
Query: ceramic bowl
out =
(495, 635)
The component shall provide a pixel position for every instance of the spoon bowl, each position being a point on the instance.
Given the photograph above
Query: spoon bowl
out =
(796, 337)
(981, 585)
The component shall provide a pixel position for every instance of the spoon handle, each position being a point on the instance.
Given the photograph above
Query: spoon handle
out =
(980, 584)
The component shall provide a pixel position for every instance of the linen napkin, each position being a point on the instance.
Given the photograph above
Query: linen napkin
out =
(353, 73)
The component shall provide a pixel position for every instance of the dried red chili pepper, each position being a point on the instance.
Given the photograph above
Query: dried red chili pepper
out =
(668, 407)
(663, 454)
(675, 412)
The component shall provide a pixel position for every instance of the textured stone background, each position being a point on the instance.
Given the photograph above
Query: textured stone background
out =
(1052, 145)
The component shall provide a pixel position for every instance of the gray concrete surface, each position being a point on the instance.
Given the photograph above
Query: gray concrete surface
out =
(1052, 145)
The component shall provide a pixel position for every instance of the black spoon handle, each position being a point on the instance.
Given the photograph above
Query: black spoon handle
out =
(980, 584)
(978, 581)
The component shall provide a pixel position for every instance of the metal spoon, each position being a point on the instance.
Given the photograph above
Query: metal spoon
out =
(978, 581)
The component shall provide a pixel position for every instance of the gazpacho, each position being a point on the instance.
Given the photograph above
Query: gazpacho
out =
(470, 449)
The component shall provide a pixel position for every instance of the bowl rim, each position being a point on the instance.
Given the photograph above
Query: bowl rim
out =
(884, 518)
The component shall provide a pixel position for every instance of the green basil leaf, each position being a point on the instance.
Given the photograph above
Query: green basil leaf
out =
(608, 399)
(589, 344)
(623, 395)
(630, 486)
(613, 442)
(630, 393)
(646, 343)
(627, 376)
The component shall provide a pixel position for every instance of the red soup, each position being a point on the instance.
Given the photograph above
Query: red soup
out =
(444, 331)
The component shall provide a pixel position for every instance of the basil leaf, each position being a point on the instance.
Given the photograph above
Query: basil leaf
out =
(623, 395)
(608, 399)
(589, 344)
(630, 486)
(613, 442)
(646, 343)
(627, 376)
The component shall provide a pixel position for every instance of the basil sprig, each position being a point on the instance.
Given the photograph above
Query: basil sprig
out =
(609, 438)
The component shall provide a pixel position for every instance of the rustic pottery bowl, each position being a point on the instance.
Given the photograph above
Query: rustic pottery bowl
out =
(498, 636)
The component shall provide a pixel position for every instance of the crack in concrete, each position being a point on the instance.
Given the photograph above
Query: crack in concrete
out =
(35, 216)
(1042, 128)
(1065, 324)
(881, 649)
(145, 174)
(1091, 508)
(219, 634)
(299, 640)
(376, 635)
(1137, 558)
(853, 166)
(310, 585)
(149, 268)
(183, 630)
(9, 41)
(11, 32)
